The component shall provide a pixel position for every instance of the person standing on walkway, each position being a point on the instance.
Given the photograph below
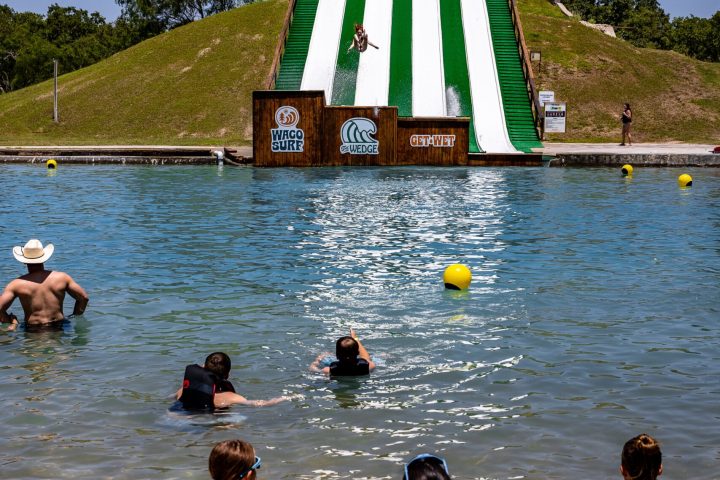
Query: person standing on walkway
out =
(626, 125)
(41, 291)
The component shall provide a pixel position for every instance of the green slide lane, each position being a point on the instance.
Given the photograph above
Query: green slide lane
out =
(457, 79)
(347, 63)
(400, 91)
(292, 65)
(516, 104)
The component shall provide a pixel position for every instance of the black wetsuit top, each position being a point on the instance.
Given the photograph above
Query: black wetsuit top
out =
(342, 369)
(627, 118)
(199, 387)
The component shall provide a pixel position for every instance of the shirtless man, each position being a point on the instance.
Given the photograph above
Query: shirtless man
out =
(360, 40)
(41, 291)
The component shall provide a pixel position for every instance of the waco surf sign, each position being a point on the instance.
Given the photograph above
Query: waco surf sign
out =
(287, 137)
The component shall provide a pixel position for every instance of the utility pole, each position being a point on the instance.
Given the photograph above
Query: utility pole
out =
(55, 106)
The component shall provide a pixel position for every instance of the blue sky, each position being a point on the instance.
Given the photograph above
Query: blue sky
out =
(110, 10)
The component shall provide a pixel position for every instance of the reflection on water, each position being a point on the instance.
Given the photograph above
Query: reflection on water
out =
(592, 317)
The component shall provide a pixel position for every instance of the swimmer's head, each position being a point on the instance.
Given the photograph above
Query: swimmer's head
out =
(641, 458)
(359, 27)
(426, 467)
(219, 364)
(347, 349)
(231, 459)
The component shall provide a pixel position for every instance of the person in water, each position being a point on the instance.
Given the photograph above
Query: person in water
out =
(352, 358)
(426, 467)
(641, 458)
(233, 460)
(207, 387)
(360, 40)
(41, 291)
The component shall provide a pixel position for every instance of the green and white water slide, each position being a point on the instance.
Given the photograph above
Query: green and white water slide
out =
(436, 58)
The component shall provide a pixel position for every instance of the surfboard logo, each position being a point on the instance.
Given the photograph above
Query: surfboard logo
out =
(287, 137)
(356, 136)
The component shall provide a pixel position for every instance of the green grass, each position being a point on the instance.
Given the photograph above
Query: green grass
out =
(193, 86)
(190, 86)
(673, 97)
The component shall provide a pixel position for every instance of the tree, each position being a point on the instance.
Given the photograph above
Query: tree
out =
(173, 13)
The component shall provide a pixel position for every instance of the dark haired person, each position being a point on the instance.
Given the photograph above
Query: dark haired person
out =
(626, 118)
(426, 467)
(641, 458)
(207, 387)
(352, 359)
(41, 292)
(233, 460)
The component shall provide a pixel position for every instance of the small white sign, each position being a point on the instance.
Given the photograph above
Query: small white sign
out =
(546, 96)
(555, 114)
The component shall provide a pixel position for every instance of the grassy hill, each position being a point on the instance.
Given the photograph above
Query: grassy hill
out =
(673, 97)
(193, 86)
(190, 86)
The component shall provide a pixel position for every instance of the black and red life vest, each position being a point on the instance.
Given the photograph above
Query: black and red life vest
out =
(198, 391)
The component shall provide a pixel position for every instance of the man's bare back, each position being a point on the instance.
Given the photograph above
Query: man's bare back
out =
(41, 291)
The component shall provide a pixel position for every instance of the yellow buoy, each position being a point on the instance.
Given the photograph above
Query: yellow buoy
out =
(627, 170)
(457, 277)
(51, 164)
(685, 180)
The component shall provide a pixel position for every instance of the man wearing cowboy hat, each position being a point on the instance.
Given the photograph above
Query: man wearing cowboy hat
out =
(41, 291)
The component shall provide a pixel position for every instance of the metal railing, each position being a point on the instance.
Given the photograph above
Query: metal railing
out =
(538, 116)
(280, 49)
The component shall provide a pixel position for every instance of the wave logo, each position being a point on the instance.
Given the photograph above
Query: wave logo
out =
(287, 137)
(356, 135)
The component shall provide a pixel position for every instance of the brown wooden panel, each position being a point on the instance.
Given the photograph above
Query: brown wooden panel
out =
(294, 142)
(360, 136)
(433, 141)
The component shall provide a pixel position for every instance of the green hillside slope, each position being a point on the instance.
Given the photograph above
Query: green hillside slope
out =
(192, 85)
(673, 97)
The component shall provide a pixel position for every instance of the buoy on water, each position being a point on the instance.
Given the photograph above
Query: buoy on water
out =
(685, 180)
(457, 277)
(627, 170)
(51, 164)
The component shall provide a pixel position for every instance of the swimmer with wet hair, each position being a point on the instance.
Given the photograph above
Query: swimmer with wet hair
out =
(426, 467)
(641, 458)
(233, 460)
(360, 40)
(207, 387)
(352, 358)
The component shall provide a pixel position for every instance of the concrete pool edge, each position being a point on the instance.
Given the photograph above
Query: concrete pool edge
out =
(558, 155)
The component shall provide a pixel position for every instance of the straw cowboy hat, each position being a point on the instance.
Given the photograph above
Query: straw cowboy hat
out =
(33, 252)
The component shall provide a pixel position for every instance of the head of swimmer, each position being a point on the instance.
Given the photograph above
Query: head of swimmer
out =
(219, 364)
(359, 28)
(641, 458)
(347, 350)
(427, 468)
(231, 458)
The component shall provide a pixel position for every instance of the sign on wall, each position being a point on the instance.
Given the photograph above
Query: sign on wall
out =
(439, 141)
(546, 96)
(287, 137)
(356, 135)
(555, 117)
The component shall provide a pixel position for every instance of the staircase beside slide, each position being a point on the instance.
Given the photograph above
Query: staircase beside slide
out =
(518, 111)
(296, 47)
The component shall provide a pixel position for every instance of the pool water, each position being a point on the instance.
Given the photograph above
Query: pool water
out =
(592, 317)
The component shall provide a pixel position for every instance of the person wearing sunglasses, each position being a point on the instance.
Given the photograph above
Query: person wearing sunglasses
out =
(426, 467)
(233, 460)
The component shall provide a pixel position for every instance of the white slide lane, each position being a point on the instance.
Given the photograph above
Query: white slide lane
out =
(488, 113)
(373, 77)
(319, 70)
(428, 84)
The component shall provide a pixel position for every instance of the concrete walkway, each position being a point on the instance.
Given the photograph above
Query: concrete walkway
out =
(635, 149)
(646, 154)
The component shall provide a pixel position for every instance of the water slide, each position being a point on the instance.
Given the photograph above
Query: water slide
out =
(436, 58)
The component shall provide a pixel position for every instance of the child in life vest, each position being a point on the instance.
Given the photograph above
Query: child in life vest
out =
(352, 359)
(207, 387)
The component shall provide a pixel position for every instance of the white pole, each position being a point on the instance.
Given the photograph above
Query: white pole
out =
(55, 107)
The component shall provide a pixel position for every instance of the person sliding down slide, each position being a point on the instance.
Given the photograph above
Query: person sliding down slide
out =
(360, 40)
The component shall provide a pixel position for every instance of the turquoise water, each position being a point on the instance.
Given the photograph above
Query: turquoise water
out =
(592, 317)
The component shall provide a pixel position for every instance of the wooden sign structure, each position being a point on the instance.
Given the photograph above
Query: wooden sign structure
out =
(297, 129)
